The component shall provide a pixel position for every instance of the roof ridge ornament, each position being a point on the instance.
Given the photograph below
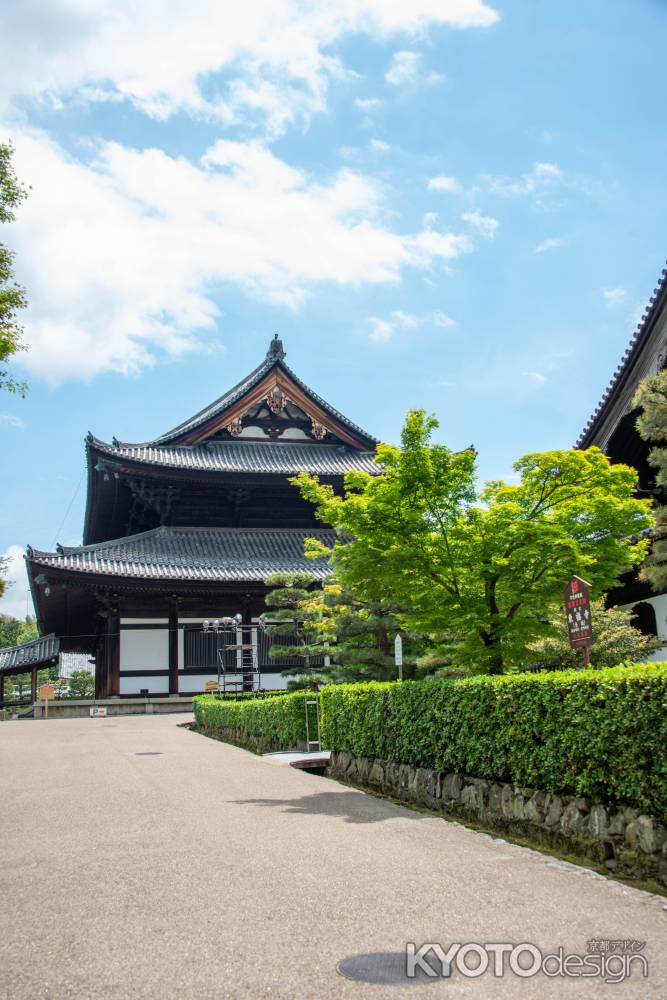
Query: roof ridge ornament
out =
(276, 351)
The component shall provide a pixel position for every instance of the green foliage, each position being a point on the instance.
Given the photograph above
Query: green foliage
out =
(18, 687)
(481, 566)
(248, 695)
(13, 631)
(598, 733)
(615, 640)
(270, 723)
(360, 635)
(79, 684)
(10, 628)
(295, 626)
(651, 397)
(12, 296)
(28, 631)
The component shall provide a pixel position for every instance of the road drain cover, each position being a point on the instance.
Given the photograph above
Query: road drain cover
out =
(148, 753)
(388, 968)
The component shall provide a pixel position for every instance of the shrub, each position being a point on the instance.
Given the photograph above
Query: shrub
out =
(248, 695)
(598, 733)
(268, 723)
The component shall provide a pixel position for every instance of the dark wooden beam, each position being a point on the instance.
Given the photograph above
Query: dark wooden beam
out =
(113, 640)
(173, 647)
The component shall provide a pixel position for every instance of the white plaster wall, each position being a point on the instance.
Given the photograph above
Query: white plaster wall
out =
(273, 682)
(194, 682)
(144, 649)
(144, 621)
(659, 602)
(155, 685)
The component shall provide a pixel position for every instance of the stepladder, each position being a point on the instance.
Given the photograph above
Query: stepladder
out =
(311, 707)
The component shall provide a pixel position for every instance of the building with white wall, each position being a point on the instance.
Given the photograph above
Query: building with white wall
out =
(188, 526)
(612, 428)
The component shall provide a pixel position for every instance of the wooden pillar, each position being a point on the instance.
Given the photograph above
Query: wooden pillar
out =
(113, 653)
(173, 647)
(33, 685)
(101, 651)
(101, 669)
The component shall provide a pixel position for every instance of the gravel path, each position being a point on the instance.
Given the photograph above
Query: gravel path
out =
(141, 860)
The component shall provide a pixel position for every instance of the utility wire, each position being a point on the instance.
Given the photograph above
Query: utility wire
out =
(71, 504)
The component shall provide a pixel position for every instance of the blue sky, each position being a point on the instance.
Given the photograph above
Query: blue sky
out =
(449, 203)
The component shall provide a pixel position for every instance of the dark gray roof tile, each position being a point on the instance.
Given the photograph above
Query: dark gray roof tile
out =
(639, 338)
(196, 554)
(240, 456)
(29, 654)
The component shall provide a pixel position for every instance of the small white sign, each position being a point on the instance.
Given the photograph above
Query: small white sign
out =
(398, 651)
(98, 712)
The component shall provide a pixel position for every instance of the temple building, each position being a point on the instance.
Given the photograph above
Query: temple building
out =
(612, 428)
(188, 526)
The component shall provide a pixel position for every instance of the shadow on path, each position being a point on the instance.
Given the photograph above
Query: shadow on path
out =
(354, 807)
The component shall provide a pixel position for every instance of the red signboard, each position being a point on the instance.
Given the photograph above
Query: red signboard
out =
(578, 611)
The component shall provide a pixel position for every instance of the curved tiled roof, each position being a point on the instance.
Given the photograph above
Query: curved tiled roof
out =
(275, 358)
(196, 554)
(639, 338)
(239, 456)
(29, 654)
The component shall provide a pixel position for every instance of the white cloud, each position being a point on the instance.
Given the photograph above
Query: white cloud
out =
(16, 600)
(382, 330)
(267, 61)
(614, 296)
(11, 420)
(429, 219)
(368, 104)
(553, 243)
(430, 245)
(379, 146)
(537, 377)
(408, 321)
(125, 256)
(443, 184)
(541, 178)
(405, 70)
(484, 224)
(441, 319)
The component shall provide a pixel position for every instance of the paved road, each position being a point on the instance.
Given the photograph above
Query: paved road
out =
(207, 872)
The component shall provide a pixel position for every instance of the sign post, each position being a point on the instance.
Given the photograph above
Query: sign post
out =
(398, 655)
(46, 692)
(578, 611)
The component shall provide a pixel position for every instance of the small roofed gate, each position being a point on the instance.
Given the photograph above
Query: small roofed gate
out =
(27, 658)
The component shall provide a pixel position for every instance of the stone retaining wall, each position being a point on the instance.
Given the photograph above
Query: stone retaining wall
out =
(247, 741)
(618, 837)
(74, 708)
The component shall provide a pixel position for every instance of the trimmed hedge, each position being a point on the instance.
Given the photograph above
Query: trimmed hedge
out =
(248, 695)
(596, 733)
(271, 723)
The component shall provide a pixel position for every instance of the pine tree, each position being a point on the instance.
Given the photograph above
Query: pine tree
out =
(362, 635)
(651, 397)
(294, 625)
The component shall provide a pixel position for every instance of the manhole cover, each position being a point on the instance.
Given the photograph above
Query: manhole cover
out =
(148, 753)
(388, 968)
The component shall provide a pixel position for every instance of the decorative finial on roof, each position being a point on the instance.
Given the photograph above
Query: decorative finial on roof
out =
(275, 351)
